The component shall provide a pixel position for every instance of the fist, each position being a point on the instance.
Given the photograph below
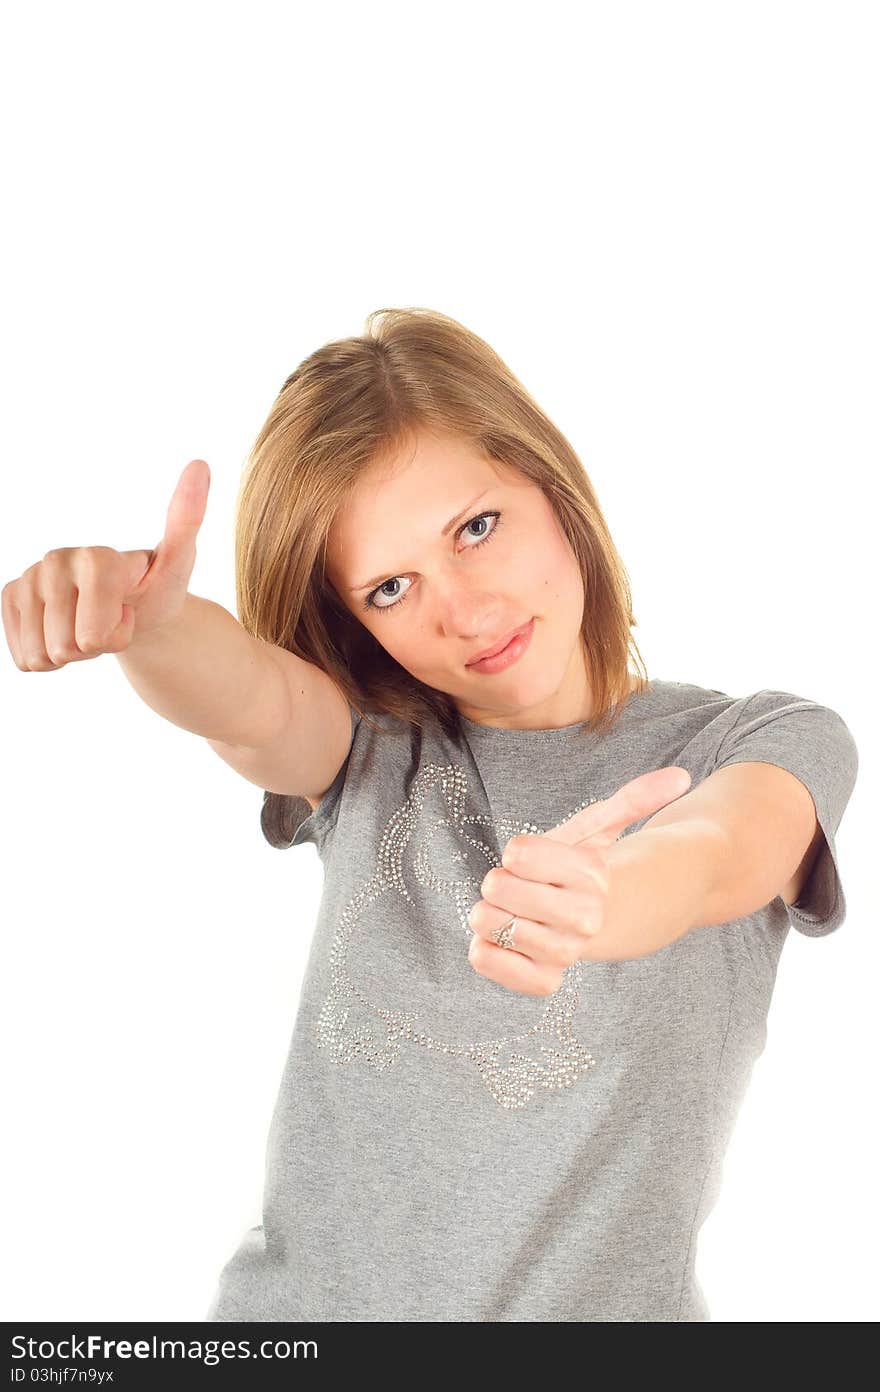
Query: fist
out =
(556, 887)
(81, 601)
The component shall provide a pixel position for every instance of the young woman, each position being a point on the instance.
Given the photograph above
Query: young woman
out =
(555, 892)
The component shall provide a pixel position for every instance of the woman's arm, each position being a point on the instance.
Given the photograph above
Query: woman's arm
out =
(205, 673)
(279, 721)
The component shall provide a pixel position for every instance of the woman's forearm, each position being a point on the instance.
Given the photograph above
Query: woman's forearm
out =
(207, 674)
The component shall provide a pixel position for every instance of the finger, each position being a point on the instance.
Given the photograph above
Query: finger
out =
(512, 970)
(90, 626)
(552, 862)
(552, 943)
(137, 569)
(604, 821)
(12, 627)
(484, 920)
(32, 639)
(564, 908)
(185, 515)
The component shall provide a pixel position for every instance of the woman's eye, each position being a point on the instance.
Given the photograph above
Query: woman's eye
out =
(396, 600)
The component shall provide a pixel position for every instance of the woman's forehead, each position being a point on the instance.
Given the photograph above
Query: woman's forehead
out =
(428, 489)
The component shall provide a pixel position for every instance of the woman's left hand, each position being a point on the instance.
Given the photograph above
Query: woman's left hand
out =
(556, 885)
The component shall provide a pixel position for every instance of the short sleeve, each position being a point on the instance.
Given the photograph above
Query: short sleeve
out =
(814, 743)
(289, 821)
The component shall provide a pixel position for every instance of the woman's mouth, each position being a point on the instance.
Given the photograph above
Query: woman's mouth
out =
(508, 654)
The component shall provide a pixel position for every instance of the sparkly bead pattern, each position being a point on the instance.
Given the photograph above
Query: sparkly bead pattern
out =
(511, 1075)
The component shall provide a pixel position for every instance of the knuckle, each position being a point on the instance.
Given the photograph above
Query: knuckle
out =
(92, 560)
(563, 953)
(598, 884)
(490, 882)
(477, 956)
(512, 853)
(591, 855)
(90, 642)
(58, 654)
(595, 866)
(586, 926)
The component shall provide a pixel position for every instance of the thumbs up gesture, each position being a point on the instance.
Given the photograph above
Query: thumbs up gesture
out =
(81, 601)
(556, 886)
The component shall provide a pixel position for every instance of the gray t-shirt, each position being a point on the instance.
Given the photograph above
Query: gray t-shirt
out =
(445, 1149)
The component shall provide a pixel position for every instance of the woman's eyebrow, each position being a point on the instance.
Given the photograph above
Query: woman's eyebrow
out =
(377, 579)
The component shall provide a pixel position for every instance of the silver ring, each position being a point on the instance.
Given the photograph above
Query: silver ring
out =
(503, 936)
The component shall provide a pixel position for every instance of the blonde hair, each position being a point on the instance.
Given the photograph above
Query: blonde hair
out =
(359, 400)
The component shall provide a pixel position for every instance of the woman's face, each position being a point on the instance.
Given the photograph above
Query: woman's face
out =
(435, 601)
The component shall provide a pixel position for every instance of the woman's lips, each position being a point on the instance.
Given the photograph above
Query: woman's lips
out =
(509, 654)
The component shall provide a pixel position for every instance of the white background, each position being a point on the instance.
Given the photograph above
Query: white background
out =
(665, 218)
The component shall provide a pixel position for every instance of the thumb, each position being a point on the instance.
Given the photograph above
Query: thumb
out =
(602, 822)
(186, 512)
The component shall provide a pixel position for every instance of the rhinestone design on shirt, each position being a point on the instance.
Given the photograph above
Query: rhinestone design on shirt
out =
(514, 1068)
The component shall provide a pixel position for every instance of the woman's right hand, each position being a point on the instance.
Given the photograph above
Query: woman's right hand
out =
(81, 601)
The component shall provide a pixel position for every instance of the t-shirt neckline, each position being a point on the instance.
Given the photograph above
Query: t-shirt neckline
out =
(557, 734)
